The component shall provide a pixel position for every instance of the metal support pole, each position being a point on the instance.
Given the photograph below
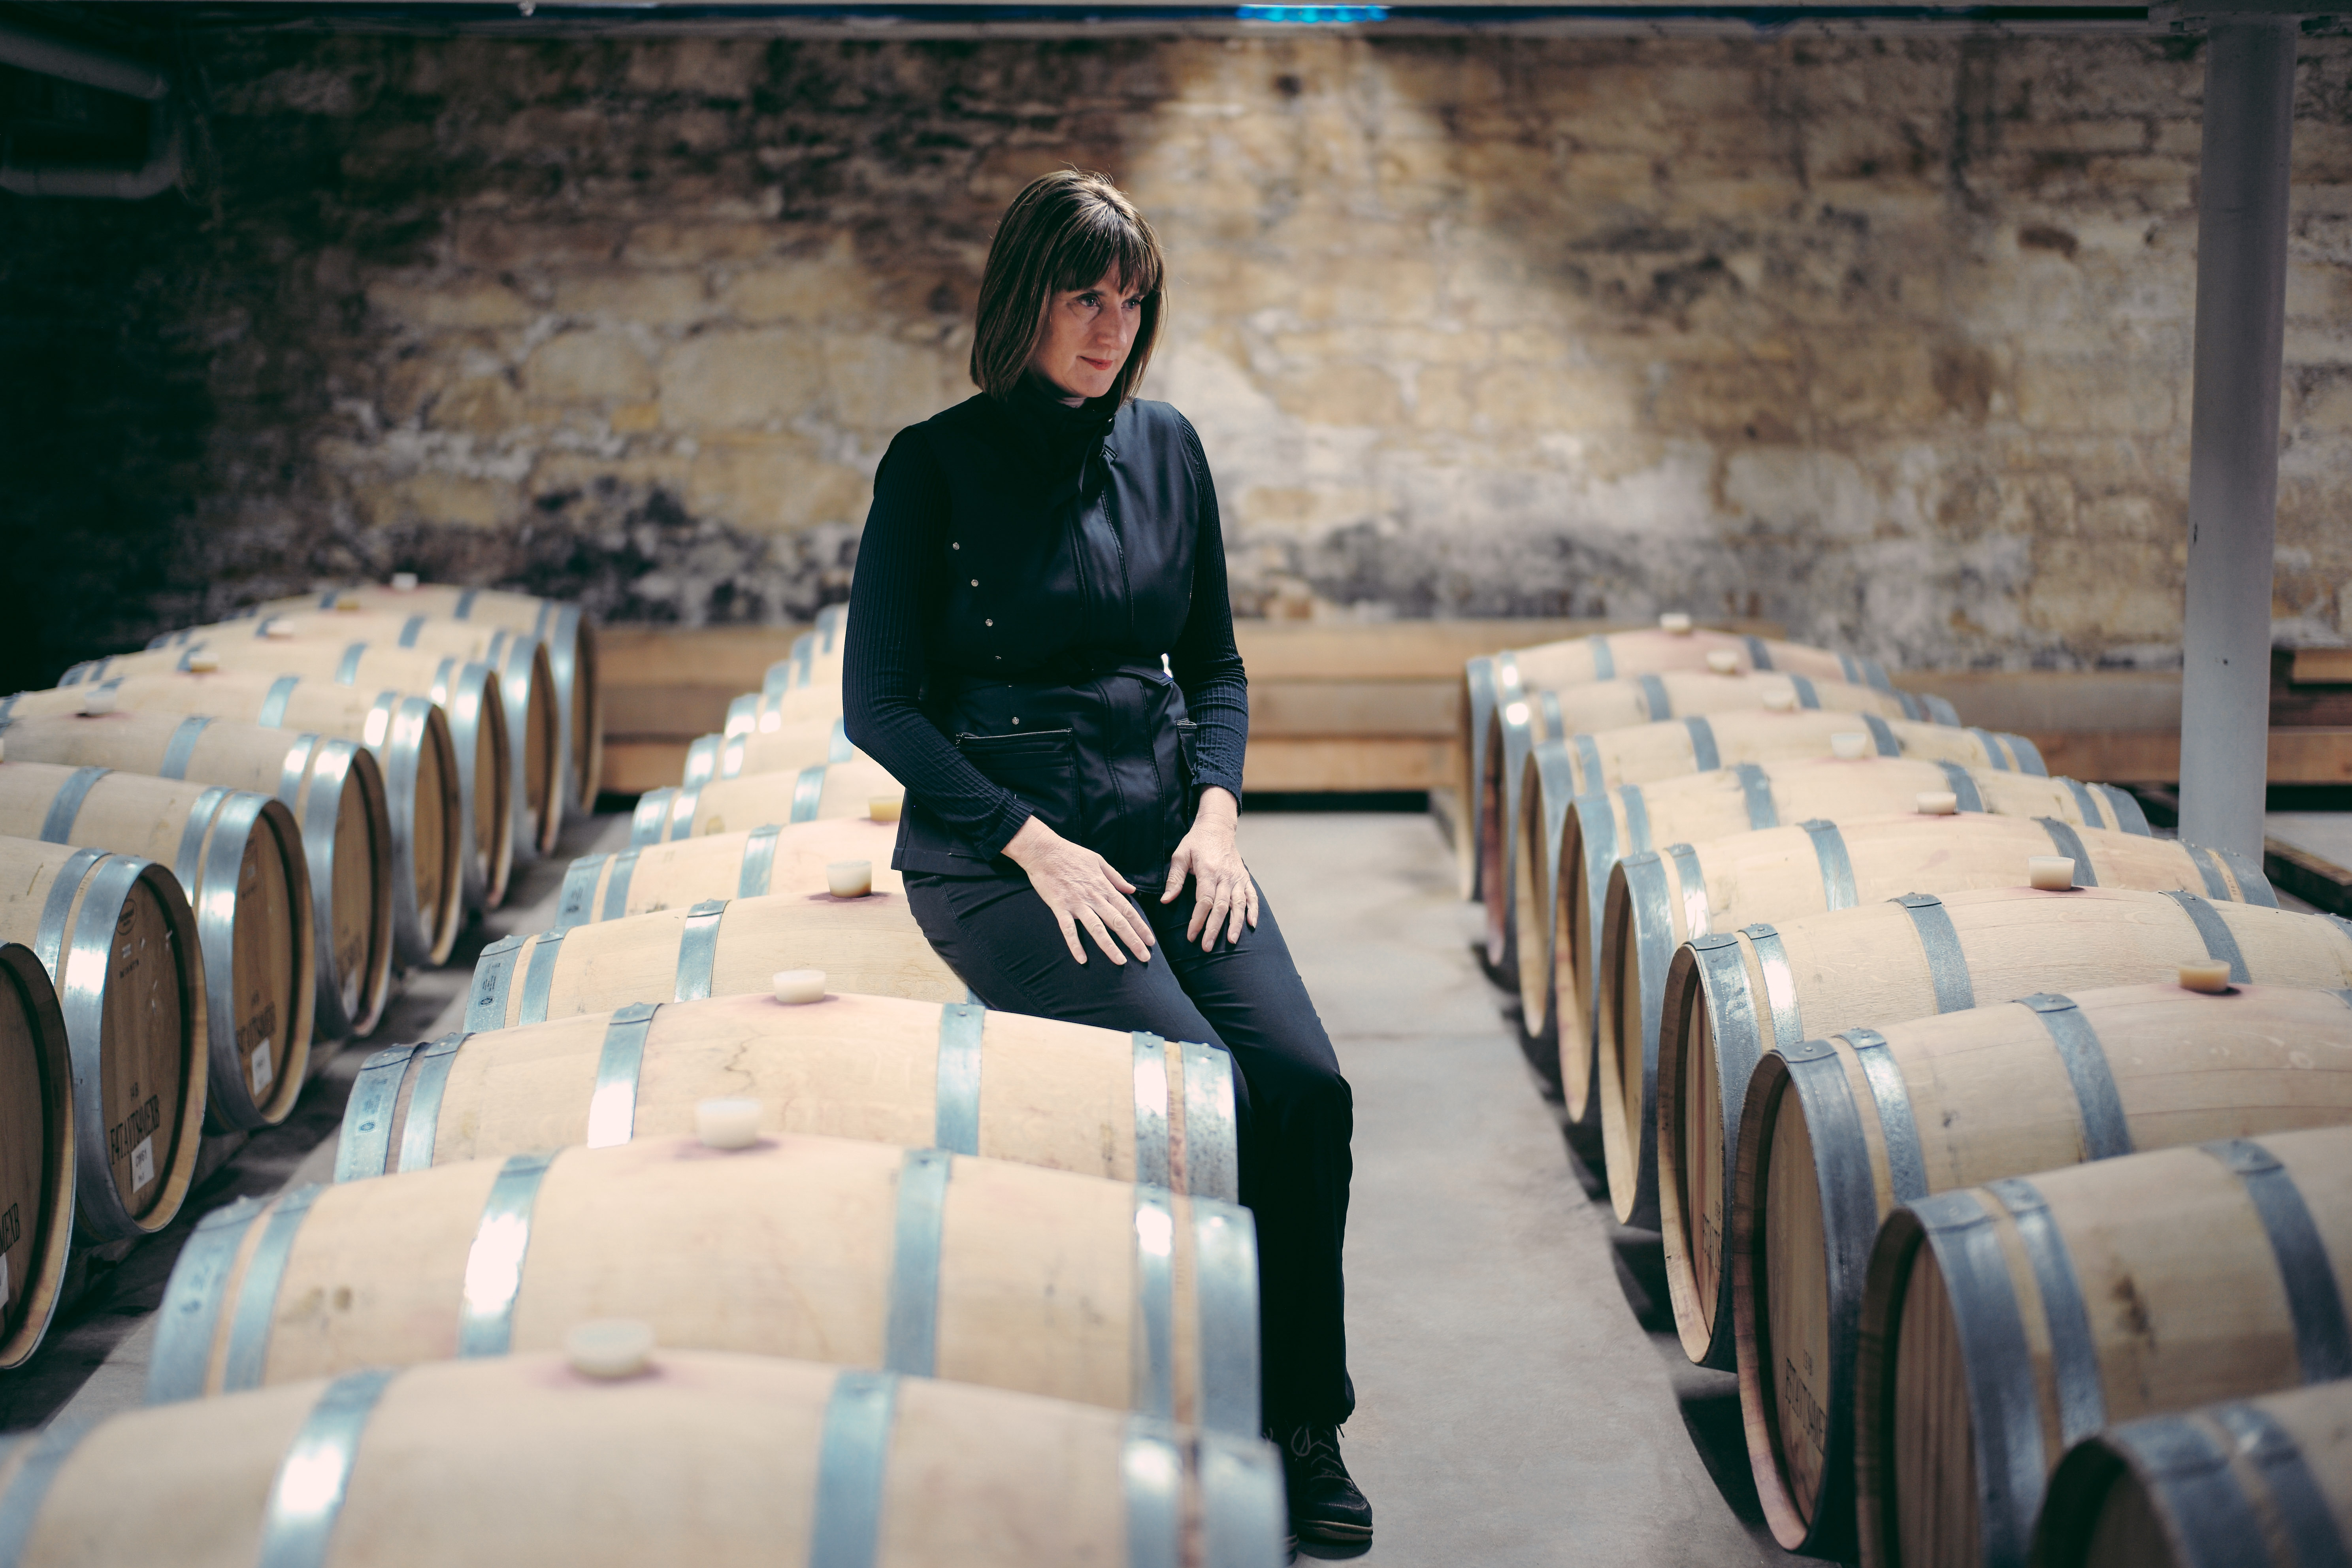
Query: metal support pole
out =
(2234, 432)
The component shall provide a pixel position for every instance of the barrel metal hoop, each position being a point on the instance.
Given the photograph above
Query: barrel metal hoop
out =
(49, 936)
(2215, 932)
(1225, 1314)
(2085, 802)
(742, 716)
(679, 824)
(1760, 654)
(306, 1499)
(1837, 866)
(1807, 696)
(421, 1129)
(1653, 945)
(1697, 914)
(730, 758)
(2069, 843)
(1964, 786)
(617, 886)
(1554, 725)
(955, 1125)
(29, 1490)
(187, 861)
(274, 706)
(1939, 942)
(2200, 1496)
(1780, 986)
(613, 1107)
(347, 670)
(493, 972)
(256, 1307)
(1151, 1108)
(56, 824)
(182, 746)
(2253, 887)
(1847, 669)
(1996, 754)
(1604, 662)
(1705, 757)
(291, 772)
(2296, 1499)
(409, 628)
(1898, 1130)
(1656, 706)
(1154, 1348)
(840, 751)
(803, 658)
(213, 897)
(494, 1263)
(80, 971)
(759, 867)
(807, 791)
(2323, 1341)
(1849, 1220)
(652, 811)
(464, 610)
(7, 707)
(910, 1339)
(701, 760)
(366, 1148)
(1212, 1143)
(1637, 816)
(2106, 1130)
(573, 905)
(1591, 777)
(2209, 869)
(853, 1466)
(698, 949)
(2126, 806)
(1151, 1481)
(1756, 789)
(539, 980)
(189, 1317)
(1737, 1028)
(2073, 1353)
(1998, 1366)
(1882, 735)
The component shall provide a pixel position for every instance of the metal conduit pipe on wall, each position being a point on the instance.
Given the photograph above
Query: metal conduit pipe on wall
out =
(107, 73)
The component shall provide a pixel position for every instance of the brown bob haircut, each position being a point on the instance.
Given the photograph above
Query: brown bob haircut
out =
(1063, 232)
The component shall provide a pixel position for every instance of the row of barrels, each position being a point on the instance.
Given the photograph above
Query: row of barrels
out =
(1978, 1124)
(216, 871)
(826, 1264)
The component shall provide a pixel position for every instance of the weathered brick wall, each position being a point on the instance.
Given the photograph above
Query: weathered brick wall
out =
(1888, 340)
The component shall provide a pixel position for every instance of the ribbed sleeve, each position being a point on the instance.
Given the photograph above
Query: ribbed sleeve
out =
(1205, 661)
(898, 584)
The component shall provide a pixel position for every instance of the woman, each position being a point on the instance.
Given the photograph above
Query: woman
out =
(1041, 647)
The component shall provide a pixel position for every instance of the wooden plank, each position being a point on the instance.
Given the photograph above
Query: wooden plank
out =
(2035, 700)
(633, 766)
(2321, 667)
(2153, 756)
(1410, 650)
(734, 657)
(660, 710)
(1353, 764)
(1427, 709)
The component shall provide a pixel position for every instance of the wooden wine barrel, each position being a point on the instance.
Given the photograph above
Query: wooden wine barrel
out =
(747, 864)
(1730, 996)
(36, 1152)
(238, 857)
(1837, 1131)
(2002, 1323)
(333, 788)
(570, 637)
(424, 770)
(1477, 708)
(727, 1460)
(1703, 742)
(1645, 754)
(1566, 844)
(115, 935)
(909, 1260)
(533, 713)
(1099, 1102)
(719, 947)
(824, 790)
(2252, 1483)
(472, 696)
(778, 747)
(1582, 661)
(815, 658)
(1656, 901)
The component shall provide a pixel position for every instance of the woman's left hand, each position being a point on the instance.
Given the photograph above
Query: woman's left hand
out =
(1223, 896)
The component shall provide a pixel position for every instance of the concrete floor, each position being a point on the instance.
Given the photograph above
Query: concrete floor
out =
(1515, 1406)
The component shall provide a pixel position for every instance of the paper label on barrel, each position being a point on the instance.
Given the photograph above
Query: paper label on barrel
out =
(142, 1162)
(264, 1075)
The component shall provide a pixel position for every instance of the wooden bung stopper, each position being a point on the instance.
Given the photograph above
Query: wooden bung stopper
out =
(404, 582)
(849, 879)
(797, 987)
(609, 1348)
(1676, 622)
(282, 630)
(727, 1123)
(2207, 975)
(885, 807)
(1780, 699)
(1852, 745)
(1723, 662)
(99, 703)
(1936, 803)
(2051, 873)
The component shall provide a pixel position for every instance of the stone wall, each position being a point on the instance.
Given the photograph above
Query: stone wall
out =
(1885, 339)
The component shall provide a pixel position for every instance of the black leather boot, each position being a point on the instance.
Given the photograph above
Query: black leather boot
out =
(1326, 1507)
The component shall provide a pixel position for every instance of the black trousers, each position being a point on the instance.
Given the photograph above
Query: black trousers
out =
(1296, 1111)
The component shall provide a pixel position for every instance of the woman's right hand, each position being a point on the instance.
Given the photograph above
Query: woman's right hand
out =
(1083, 889)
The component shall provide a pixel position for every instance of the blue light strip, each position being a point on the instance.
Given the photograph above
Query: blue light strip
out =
(1312, 16)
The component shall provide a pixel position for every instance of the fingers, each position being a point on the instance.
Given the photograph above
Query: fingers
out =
(1178, 864)
(1253, 904)
(1069, 930)
(1103, 939)
(1243, 896)
(1135, 928)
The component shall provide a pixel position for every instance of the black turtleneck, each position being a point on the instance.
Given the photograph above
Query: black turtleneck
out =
(1028, 541)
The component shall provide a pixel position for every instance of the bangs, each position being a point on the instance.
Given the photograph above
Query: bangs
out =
(1105, 240)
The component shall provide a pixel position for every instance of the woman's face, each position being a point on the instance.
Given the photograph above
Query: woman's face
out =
(1088, 333)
